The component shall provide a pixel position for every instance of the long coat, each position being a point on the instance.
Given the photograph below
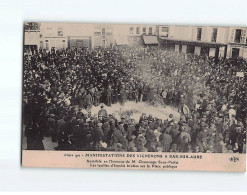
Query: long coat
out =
(166, 141)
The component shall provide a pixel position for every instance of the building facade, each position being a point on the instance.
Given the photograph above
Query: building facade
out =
(136, 33)
(102, 36)
(79, 35)
(201, 40)
(65, 35)
(53, 35)
(132, 35)
(31, 36)
(237, 42)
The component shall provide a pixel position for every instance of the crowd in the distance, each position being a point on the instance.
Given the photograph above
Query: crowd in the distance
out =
(60, 85)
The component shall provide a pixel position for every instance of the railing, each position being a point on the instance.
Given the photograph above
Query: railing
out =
(31, 27)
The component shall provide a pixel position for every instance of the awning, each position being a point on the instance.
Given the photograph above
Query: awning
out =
(150, 40)
(121, 40)
(195, 43)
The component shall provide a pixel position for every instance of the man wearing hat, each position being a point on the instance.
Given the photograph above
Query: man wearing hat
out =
(106, 131)
(131, 144)
(142, 117)
(123, 95)
(115, 94)
(181, 103)
(166, 141)
(115, 136)
(97, 96)
(60, 123)
(98, 136)
(109, 96)
(141, 91)
(102, 112)
(174, 133)
(52, 127)
(89, 102)
(81, 99)
(231, 112)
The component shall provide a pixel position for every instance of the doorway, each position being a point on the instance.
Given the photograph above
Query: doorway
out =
(191, 49)
(235, 52)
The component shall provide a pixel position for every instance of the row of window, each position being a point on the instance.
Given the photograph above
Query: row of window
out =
(213, 37)
(164, 29)
(48, 41)
(59, 31)
(238, 35)
(144, 30)
(32, 26)
(103, 32)
(98, 32)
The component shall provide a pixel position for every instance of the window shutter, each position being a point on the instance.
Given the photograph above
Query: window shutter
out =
(243, 34)
(210, 35)
(232, 36)
(219, 37)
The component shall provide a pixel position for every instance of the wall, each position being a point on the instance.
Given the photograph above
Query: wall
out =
(134, 41)
(189, 33)
(222, 35)
(180, 33)
(96, 41)
(32, 38)
(109, 41)
(57, 42)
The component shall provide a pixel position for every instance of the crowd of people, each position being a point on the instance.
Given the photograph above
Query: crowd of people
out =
(62, 86)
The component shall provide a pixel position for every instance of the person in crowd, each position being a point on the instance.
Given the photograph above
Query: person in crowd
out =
(97, 95)
(109, 96)
(60, 84)
(102, 112)
(166, 141)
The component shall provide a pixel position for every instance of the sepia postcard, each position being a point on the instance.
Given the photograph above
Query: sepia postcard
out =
(137, 96)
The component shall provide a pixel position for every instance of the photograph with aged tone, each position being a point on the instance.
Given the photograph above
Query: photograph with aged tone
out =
(134, 88)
